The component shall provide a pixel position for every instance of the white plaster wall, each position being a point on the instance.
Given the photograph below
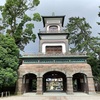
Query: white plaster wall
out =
(53, 44)
(53, 37)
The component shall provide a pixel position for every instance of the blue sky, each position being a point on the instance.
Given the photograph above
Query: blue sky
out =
(71, 8)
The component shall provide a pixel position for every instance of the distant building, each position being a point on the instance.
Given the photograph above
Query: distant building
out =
(54, 67)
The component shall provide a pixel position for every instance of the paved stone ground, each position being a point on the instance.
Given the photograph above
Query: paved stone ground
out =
(54, 96)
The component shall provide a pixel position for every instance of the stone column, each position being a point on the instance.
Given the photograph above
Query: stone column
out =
(69, 85)
(24, 84)
(91, 88)
(19, 86)
(39, 85)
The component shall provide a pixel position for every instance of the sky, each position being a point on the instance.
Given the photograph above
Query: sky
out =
(88, 9)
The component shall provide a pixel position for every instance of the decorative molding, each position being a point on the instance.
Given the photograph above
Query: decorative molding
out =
(53, 60)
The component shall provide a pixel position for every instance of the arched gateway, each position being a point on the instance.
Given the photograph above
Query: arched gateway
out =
(54, 68)
(54, 81)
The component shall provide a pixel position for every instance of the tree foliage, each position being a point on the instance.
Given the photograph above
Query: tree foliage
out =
(95, 46)
(9, 53)
(81, 40)
(80, 33)
(16, 21)
(94, 57)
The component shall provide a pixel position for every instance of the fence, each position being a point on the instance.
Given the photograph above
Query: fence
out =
(5, 94)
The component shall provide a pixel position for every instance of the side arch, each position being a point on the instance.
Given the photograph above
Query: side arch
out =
(80, 82)
(29, 82)
(21, 74)
(29, 73)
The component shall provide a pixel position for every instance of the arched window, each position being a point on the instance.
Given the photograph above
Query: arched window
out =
(53, 28)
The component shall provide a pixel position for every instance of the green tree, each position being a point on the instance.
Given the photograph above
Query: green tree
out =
(16, 21)
(80, 33)
(81, 40)
(98, 50)
(9, 53)
(94, 62)
(95, 46)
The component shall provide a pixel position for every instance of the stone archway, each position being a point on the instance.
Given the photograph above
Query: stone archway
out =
(29, 82)
(54, 81)
(80, 83)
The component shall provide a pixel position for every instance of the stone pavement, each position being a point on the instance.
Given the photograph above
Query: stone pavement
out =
(54, 96)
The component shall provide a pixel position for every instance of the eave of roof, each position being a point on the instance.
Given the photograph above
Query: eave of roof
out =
(43, 17)
(67, 34)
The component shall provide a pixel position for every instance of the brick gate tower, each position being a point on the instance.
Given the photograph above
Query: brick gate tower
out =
(54, 68)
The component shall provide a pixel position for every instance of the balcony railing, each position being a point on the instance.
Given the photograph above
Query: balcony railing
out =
(62, 31)
(68, 54)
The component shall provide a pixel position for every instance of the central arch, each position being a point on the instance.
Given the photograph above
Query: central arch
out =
(54, 81)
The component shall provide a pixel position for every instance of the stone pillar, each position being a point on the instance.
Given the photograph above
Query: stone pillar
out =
(19, 86)
(24, 85)
(39, 85)
(91, 88)
(69, 85)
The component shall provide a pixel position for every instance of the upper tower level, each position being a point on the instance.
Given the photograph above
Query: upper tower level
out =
(53, 24)
(53, 39)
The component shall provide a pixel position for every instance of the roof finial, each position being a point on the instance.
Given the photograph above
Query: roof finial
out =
(53, 14)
